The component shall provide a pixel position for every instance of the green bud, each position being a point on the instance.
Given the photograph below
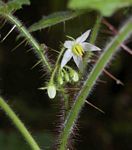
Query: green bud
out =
(51, 91)
(60, 79)
(75, 76)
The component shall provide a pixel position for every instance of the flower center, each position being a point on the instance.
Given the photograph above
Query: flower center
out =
(77, 50)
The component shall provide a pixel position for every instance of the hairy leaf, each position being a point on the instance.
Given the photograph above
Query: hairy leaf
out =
(12, 5)
(106, 7)
(53, 19)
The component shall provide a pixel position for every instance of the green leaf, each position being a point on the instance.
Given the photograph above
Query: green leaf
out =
(12, 5)
(106, 7)
(53, 19)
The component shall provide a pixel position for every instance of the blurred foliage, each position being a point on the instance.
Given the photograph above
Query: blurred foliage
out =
(12, 5)
(20, 83)
(106, 7)
(53, 19)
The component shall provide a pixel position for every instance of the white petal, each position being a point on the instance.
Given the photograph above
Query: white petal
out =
(51, 91)
(68, 44)
(66, 57)
(83, 37)
(78, 61)
(89, 47)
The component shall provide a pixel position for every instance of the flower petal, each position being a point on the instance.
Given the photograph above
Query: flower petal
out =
(68, 44)
(78, 61)
(83, 37)
(66, 57)
(89, 47)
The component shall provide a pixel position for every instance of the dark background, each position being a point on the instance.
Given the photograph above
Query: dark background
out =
(19, 86)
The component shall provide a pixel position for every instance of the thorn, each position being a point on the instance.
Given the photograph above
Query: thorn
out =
(94, 106)
(102, 81)
(113, 77)
(127, 49)
(42, 88)
(8, 33)
(18, 45)
(54, 50)
(30, 49)
(36, 64)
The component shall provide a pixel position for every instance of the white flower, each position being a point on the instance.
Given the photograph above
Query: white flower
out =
(76, 49)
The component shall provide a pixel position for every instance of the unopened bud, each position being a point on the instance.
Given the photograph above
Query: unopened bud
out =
(75, 76)
(60, 80)
(51, 91)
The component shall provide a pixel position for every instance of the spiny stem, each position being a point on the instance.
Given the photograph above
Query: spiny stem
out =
(88, 85)
(18, 124)
(38, 49)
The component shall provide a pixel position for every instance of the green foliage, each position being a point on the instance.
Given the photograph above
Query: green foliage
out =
(53, 19)
(105, 7)
(12, 5)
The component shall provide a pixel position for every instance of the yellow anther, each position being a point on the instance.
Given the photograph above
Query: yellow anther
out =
(78, 50)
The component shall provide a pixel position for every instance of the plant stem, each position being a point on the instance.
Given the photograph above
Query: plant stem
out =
(88, 85)
(38, 49)
(18, 124)
(56, 65)
(95, 29)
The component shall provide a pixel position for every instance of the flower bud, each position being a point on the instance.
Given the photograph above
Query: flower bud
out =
(75, 76)
(60, 80)
(51, 91)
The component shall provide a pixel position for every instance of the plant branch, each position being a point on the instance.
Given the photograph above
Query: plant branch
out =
(36, 46)
(90, 82)
(18, 124)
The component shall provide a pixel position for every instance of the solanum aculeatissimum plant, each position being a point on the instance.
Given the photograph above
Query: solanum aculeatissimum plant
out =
(60, 73)
(76, 49)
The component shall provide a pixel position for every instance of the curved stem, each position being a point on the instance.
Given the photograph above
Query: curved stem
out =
(88, 85)
(56, 65)
(30, 39)
(18, 124)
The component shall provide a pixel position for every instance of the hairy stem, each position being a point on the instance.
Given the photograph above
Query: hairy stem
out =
(18, 124)
(88, 85)
(36, 46)
(95, 29)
